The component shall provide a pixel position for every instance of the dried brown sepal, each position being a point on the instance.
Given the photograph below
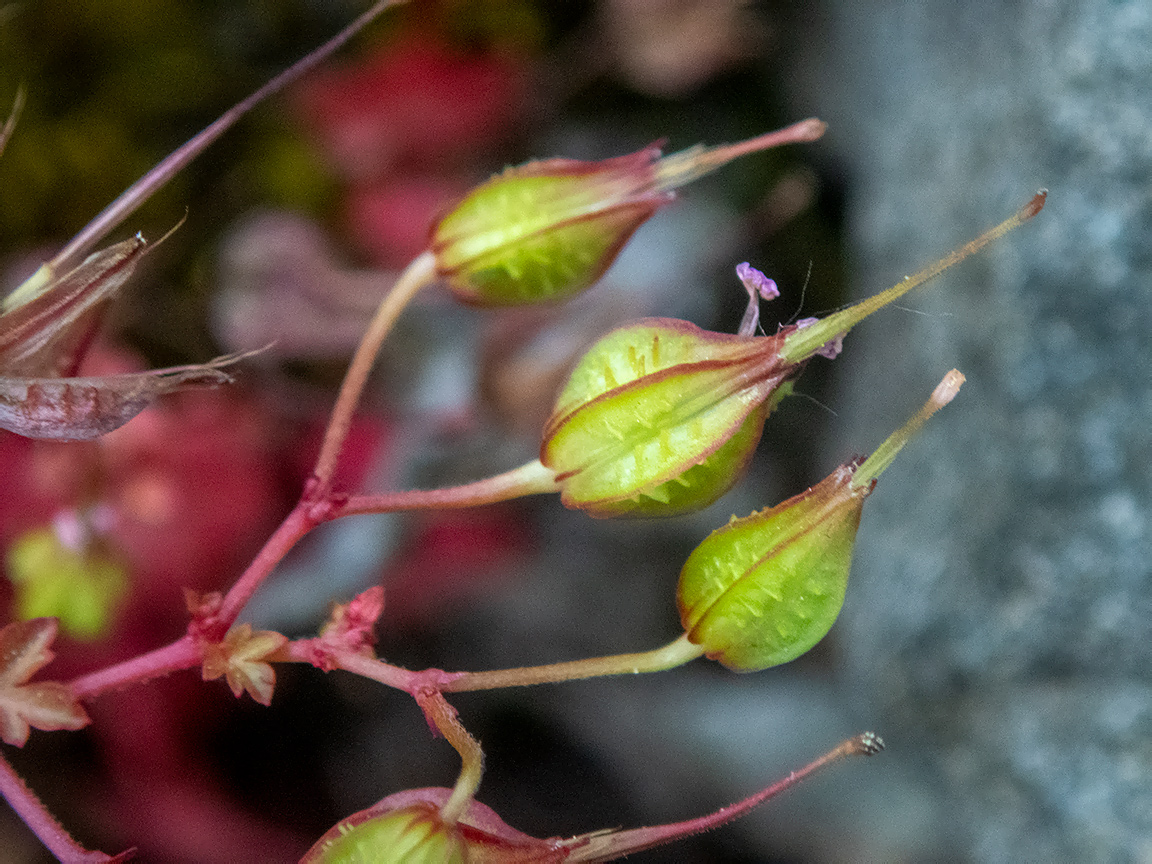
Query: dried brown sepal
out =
(81, 409)
(46, 323)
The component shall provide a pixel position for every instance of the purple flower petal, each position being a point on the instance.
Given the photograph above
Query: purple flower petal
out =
(758, 287)
(756, 282)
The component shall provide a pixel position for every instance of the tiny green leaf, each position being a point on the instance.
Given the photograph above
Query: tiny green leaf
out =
(79, 586)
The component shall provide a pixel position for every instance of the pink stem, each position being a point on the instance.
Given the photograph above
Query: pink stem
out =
(185, 652)
(306, 516)
(51, 833)
(419, 273)
(181, 654)
(324, 656)
(530, 479)
(378, 670)
(609, 846)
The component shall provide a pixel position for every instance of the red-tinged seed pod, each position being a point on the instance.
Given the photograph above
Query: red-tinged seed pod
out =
(549, 229)
(661, 417)
(407, 828)
(764, 589)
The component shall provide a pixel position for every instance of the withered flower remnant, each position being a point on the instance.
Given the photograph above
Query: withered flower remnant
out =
(45, 328)
(81, 409)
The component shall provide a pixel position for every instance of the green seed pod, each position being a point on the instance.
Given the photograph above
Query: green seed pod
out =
(411, 835)
(409, 828)
(661, 417)
(548, 229)
(545, 230)
(764, 589)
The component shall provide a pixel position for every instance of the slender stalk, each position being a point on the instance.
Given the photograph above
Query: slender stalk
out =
(693, 163)
(609, 846)
(661, 659)
(803, 343)
(13, 117)
(446, 720)
(298, 523)
(36, 816)
(419, 273)
(181, 654)
(882, 457)
(142, 189)
(530, 479)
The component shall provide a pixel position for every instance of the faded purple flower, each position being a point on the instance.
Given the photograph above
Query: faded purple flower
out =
(759, 287)
(756, 282)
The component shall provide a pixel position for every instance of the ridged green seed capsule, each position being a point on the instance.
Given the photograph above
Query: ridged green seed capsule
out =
(661, 417)
(764, 589)
(412, 835)
(549, 229)
(545, 230)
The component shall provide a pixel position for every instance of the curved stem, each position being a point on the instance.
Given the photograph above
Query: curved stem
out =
(661, 659)
(530, 479)
(36, 816)
(447, 722)
(419, 273)
(615, 844)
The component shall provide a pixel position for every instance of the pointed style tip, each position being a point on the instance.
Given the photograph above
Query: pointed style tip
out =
(1034, 206)
(811, 129)
(867, 744)
(947, 389)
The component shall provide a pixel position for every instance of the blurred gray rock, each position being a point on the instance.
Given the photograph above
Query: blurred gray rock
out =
(998, 628)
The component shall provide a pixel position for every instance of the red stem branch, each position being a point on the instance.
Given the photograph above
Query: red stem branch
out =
(306, 516)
